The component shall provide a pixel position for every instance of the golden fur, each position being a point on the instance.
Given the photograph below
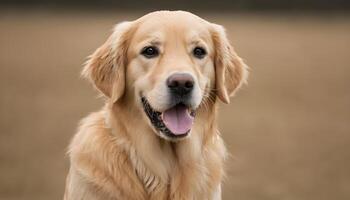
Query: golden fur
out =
(116, 154)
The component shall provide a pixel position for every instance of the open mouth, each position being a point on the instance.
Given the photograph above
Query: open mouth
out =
(175, 122)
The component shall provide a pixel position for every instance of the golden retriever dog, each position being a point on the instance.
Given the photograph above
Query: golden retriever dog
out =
(157, 135)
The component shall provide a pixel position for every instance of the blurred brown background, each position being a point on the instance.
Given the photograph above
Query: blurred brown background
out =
(288, 130)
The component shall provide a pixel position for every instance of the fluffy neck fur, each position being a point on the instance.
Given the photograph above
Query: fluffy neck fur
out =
(161, 165)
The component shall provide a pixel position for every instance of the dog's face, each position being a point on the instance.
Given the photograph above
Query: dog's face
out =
(171, 65)
(168, 63)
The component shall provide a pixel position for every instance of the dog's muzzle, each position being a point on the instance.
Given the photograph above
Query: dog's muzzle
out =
(177, 120)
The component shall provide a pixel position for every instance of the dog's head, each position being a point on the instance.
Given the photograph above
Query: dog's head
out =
(168, 63)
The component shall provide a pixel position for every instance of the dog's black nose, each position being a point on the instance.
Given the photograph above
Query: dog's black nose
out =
(180, 83)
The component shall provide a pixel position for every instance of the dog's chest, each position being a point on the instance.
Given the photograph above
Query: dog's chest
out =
(183, 182)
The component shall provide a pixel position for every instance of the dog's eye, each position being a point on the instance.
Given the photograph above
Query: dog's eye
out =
(199, 52)
(150, 52)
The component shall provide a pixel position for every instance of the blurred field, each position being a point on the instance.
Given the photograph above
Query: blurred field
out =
(288, 131)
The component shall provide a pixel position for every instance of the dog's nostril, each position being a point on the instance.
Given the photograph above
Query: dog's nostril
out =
(180, 83)
(189, 84)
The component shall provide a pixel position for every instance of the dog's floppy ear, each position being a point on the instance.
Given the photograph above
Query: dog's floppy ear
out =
(106, 66)
(230, 70)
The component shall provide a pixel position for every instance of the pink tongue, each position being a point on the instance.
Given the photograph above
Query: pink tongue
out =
(178, 120)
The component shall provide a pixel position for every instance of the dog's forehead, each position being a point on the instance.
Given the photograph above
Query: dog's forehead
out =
(181, 23)
(171, 16)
